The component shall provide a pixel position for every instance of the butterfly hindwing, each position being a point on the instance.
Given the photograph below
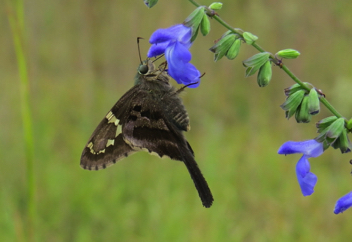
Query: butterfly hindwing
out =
(147, 128)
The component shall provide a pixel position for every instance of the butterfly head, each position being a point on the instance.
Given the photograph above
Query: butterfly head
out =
(147, 71)
(146, 67)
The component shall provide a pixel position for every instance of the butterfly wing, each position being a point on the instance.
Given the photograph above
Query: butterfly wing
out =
(148, 128)
(106, 145)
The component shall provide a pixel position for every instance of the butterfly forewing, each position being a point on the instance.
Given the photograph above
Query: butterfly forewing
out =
(106, 145)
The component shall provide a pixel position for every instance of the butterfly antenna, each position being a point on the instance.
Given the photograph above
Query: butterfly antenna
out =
(139, 50)
(158, 58)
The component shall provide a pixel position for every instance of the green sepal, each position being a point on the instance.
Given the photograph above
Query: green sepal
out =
(222, 46)
(336, 128)
(302, 113)
(193, 21)
(234, 50)
(322, 136)
(294, 88)
(342, 142)
(215, 6)
(264, 74)
(249, 38)
(255, 62)
(150, 3)
(325, 123)
(292, 102)
(205, 25)
(288, 54)
(314, 103)
(227, 33)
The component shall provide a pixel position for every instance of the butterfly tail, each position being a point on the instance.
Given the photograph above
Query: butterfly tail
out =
(198, 178)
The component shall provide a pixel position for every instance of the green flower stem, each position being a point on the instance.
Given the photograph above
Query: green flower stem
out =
(283, 67)
(16, 20)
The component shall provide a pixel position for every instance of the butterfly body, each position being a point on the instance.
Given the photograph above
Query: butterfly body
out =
(150, 117)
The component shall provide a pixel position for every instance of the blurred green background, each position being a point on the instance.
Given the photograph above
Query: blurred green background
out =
(82, 57)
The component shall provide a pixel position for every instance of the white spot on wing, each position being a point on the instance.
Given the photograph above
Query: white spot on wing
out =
(90, 146)
(110, 142)
(112, 119)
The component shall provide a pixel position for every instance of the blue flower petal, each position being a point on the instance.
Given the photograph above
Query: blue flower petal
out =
(310, 148)
(343, 203)
(175, 42)
(158, 49)
(178, 33)
(177, 57)
(178, 53)
(306, 179)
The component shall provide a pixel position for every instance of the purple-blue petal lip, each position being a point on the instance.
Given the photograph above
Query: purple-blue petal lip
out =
(311, 148)
(306, 179)
(157, 49)
(178, 33)
(343, 203)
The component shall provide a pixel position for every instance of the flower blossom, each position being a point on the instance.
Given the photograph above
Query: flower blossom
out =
(343, 203)
(309, 148)
(174, 42)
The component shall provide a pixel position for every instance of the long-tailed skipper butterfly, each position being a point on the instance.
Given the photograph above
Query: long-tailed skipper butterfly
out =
(149, 117)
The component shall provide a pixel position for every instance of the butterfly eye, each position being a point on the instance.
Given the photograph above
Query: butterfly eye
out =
(143, 69)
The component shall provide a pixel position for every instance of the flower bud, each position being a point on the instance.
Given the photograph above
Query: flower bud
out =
(264, 74)
(205, 25)
(302, 113)
(349, 124)
(314, 104)
(288, 54)
(292, 102)
(234, 50)
(150, 3)
(222, 46)
(215, 6)
(249, 38)
(255, 62)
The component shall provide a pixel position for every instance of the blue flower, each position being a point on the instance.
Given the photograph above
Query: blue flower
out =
(174, 42)
(343, 203)
(309, 148)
